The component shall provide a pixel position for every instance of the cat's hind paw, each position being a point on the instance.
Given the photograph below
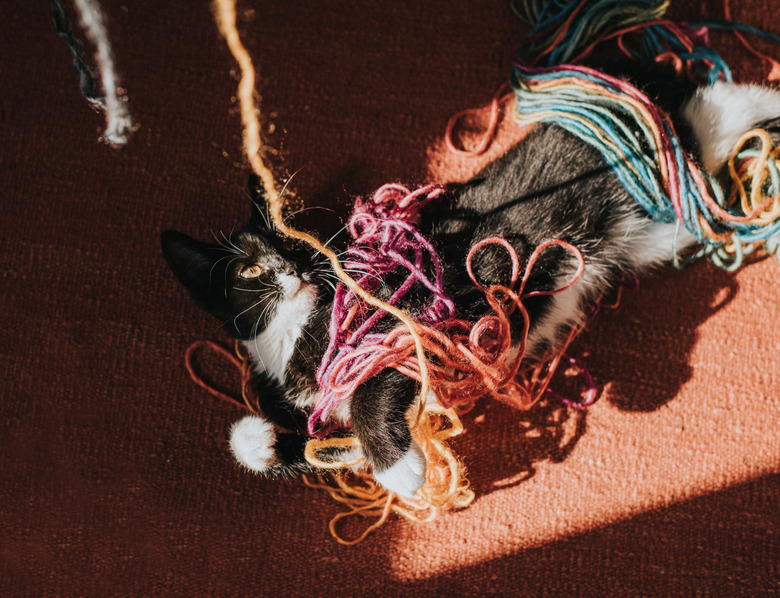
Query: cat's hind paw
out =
(252, 442)
(407, 475)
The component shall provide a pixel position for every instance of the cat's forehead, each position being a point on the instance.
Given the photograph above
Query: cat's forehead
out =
(256, 243)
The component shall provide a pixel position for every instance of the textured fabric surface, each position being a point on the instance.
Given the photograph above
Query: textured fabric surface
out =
(116, 477)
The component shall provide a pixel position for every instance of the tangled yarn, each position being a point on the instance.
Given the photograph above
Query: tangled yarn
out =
(466, 360)
(384, 240)
(636, 137)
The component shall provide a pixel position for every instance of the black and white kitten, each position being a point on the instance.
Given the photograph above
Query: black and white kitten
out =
(270, 294)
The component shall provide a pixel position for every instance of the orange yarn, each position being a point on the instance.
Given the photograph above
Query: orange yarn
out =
(240, 360)
(445, 487)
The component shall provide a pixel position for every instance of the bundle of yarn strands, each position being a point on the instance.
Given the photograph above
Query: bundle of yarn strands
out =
(457, 362)
(636, 137)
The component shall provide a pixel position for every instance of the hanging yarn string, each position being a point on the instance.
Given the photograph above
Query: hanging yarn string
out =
(87, 83)
(113, 100)
(639, 141)
(225, 15)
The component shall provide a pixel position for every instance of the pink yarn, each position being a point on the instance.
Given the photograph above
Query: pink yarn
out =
(384, 241)
(470, 360)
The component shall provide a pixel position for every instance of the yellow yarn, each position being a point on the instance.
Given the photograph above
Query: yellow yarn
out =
(756, 171)
(225, 15)
(445, 485)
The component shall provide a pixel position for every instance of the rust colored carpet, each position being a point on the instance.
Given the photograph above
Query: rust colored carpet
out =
(115, 477)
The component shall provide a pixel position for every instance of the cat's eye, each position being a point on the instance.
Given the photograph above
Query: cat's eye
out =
(252, 271)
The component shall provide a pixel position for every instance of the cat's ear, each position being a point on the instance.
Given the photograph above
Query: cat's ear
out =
(192, 261)
(260, 216)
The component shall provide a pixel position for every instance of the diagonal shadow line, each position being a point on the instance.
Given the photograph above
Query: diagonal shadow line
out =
(722, 544)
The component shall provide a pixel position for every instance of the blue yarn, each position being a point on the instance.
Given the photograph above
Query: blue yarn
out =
(612, 127)
(734, 26)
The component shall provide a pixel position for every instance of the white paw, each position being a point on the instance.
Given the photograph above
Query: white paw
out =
(407, 476)
(252, 442)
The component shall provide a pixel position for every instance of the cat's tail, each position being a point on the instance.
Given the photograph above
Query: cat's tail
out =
(721, 113)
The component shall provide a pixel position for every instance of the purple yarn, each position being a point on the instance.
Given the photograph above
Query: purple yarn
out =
(385, 240)
(589, 384)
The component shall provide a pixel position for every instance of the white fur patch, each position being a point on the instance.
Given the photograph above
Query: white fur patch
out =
(407, 476)
(720, 113)
(252, 442)
(644, 243)
(647, 243)
(271, 349)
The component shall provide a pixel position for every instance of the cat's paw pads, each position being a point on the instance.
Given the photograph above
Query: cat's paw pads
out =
(407, 475)
(252, 442)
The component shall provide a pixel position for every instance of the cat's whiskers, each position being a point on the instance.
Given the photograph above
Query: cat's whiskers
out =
(326, 243)
(308, 344)
(264, 214)
(251, 307)
(262, 283)
(214, 265)
(227, 245)
(367, 274)
(306, 209)
(230, 244)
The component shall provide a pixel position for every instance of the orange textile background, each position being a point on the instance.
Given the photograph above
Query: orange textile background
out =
(116, 477)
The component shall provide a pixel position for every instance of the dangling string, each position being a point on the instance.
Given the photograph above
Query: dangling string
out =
(87, 83)
(225, 14)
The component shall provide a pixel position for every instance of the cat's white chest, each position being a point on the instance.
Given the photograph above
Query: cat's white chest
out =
(272, 349)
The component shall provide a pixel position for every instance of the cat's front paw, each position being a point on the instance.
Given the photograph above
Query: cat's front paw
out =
(252, 442)
(407, 475)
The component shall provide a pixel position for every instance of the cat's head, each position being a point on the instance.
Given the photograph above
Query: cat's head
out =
(249, 277)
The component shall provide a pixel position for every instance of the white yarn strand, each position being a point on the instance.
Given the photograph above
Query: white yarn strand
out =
(119, 120)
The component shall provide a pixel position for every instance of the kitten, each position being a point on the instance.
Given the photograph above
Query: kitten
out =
(272, 295)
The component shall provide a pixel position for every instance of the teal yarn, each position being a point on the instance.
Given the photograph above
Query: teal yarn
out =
(635, 137)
